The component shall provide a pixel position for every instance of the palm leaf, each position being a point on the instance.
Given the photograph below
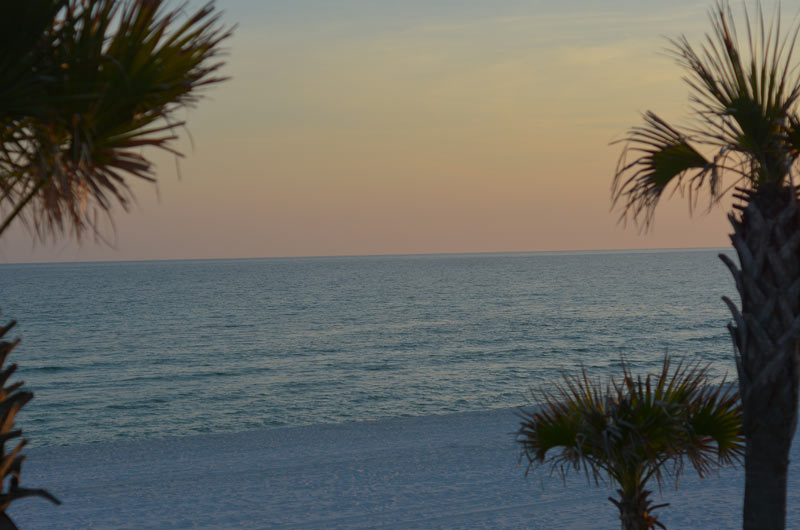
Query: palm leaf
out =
(24, 30)
(635, 429)
(114, 76)
(744, 98)
(663, 155)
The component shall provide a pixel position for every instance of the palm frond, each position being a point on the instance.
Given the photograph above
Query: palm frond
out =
(567, 413)
(24, 57)
(663, 155)
(744, 98)
(637, 428)
(112, 78)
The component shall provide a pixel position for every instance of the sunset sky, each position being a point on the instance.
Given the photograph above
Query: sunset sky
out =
(422, 126)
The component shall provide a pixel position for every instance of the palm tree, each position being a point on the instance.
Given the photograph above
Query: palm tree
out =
(631, 431)
(747, 130)
(84, 86)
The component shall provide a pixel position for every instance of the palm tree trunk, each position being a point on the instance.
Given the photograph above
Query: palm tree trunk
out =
(632, 519)
(635, 509)
(765, 335)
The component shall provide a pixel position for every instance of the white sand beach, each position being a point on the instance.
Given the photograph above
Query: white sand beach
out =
(451, 471)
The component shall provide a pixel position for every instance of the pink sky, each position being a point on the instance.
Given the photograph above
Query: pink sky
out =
(422, 128)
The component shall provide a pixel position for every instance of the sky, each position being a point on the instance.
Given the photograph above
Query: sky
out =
(355, 127)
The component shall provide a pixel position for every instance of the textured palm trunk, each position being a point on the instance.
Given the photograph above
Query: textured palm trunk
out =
(765, 335)
(635, 510)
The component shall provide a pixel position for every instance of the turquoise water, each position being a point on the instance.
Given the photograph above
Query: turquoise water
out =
(133, 350)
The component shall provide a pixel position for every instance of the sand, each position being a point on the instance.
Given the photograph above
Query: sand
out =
(450, 471)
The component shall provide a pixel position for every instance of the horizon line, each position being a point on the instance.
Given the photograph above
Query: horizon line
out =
(384, 255)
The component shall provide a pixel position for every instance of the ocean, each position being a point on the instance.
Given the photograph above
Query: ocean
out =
(136, 350)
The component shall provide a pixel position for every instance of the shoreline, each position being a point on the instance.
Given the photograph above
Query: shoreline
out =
(458, 470)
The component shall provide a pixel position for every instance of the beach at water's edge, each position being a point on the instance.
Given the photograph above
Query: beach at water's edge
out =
(449, 471)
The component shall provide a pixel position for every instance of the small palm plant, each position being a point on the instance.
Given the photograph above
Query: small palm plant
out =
(634, 431)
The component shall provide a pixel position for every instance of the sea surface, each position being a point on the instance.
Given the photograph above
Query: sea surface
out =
(135, 350)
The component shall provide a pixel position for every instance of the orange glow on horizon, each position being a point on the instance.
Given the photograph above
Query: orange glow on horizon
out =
(414, 130)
